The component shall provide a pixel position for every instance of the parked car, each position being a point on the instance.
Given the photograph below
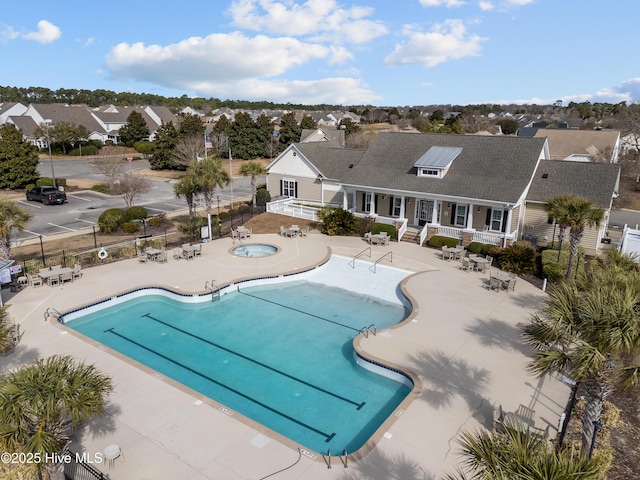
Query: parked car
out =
(47, 195)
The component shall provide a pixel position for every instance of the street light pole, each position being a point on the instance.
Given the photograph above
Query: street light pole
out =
(53, 175)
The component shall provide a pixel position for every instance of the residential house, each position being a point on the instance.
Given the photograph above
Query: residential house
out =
(579, 145)
(334, 137)
(468, 187)
(8, 109)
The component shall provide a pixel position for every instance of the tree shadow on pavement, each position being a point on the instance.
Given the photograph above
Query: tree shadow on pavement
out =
(378, 466)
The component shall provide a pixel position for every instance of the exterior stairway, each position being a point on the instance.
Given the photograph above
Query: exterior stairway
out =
(412, 235)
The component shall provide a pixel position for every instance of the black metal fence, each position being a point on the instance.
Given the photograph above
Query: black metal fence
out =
(76, 469)
(125, 249)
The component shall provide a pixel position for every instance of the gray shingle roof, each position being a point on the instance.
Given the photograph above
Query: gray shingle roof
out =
(488, 168)
(332, 162)
(594, 181)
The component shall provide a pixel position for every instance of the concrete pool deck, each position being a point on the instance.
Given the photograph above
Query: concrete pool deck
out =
(461, 343)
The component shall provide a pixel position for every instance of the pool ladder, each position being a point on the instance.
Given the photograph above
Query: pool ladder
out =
(365, 330)
(353, 260)
(52, 312)
(214, 289)
(343, 458)
(388, 254)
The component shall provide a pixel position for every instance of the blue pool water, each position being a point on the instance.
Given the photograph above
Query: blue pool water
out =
(280, 354)
(255, 250)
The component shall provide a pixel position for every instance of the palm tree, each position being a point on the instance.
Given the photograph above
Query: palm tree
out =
(252, 169)
(512, 454)
(37, 402)
(188, 188)
(210, 176)
(11, 217)
(589, 330)
(577, 213)
(6, 331)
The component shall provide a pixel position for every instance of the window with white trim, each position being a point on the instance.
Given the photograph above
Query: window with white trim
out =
(496, 219)
(460, 216)
(429, 172)
(397, 205)
(289, 188)
(367, 202)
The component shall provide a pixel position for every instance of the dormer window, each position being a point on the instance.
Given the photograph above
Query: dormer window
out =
(436, 161)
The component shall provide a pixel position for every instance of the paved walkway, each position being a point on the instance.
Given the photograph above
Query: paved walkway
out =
(461, 342)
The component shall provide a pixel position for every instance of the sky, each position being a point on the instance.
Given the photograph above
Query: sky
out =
(339, 52)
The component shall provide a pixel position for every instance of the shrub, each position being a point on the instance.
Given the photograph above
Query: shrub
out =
(30, 186)
(518, 258)
(158, 221)
(136, 213)
(130, 227)
(262, 197)
(364, 224)
(222, 216)
(242, 209)
(192, 228)
(437, 241)
(48, 182)
(377, 227)
(100, 187)
(336, 221)
(86, 150)
(111, 220)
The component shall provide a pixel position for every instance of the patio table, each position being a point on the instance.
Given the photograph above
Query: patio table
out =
(293, 231)
(45, 275)
(243, 232)
(189, 251)
(152, 253)
(480, 261)
(454, 252)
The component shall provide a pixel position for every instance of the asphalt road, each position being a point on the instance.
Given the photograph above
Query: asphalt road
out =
(83, 208)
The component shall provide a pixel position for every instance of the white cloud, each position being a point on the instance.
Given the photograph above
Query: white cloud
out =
(444, 3)
(486, 6)
(7, 33)
(236, 66)
(47, 32)
(447, 41)
(318, 19)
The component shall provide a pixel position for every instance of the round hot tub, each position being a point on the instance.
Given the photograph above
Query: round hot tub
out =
(254, 250)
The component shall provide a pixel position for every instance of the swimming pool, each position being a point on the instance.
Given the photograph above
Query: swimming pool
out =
(280, 354)
(255, 250)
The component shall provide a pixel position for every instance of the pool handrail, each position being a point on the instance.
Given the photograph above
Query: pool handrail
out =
(353, 260)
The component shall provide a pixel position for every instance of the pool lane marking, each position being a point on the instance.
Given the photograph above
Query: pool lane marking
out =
(328, 437)
(299, 311)
(213, 344)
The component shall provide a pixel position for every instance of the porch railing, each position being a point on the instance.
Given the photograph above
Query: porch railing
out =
(488, 238)
(423, 233)
(451, 232)
(403, 228)
(291, 208)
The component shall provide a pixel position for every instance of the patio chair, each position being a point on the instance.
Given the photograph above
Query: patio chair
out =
(481, 267)
(494, 284)
(53, 280)
(465, 264)
(198, 251)
(66, 277)
(234, 234)
(34, 281)
(490, 260)
(283, 231)
(23, 280)
(177, 253)
(76, 271)
(511, 284)
(304, 232)
(445, 252)
(162, 257)
(142, 257)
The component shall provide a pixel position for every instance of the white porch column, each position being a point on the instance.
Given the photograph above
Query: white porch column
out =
(345, 200)
(435, 217)
(469, 225)
(372, 207)
(402, 207)
(507, 229)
